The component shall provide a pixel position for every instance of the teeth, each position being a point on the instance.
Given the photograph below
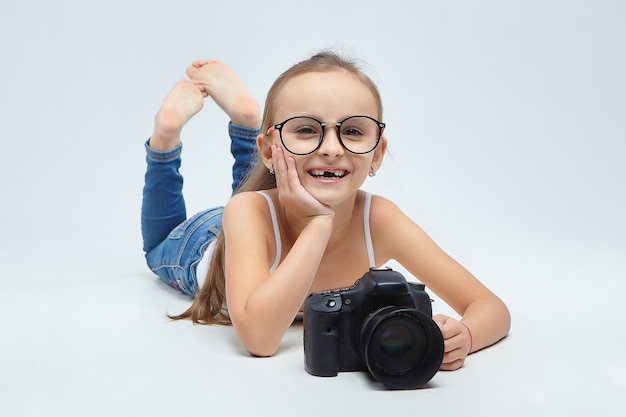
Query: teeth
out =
(325, 173)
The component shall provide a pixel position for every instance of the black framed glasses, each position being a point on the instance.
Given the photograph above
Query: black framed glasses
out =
(303, 135)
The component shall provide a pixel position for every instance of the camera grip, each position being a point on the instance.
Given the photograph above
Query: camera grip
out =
(321, 345)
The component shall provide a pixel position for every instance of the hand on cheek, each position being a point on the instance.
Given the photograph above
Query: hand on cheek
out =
(457, 343)
(287, 179)
(296, 199)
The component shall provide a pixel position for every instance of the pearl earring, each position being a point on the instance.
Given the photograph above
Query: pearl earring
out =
(372, 172)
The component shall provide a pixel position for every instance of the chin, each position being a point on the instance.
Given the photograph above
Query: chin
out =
(331, 196)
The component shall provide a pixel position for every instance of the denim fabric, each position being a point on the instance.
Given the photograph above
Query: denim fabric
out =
(243, 149)
(174, 245)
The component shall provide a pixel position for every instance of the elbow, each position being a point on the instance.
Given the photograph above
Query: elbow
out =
(261, 353)
(500, 312)
(507, 319)
(258, 342)
(260, 336)
(261, 348)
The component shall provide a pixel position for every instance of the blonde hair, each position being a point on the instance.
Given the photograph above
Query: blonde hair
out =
(209, 306)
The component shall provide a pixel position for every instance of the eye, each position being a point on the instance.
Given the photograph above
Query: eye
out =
(306, 130)
(353, 132)
(301, 128)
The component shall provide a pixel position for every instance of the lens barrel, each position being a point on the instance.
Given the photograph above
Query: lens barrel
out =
(402, 347)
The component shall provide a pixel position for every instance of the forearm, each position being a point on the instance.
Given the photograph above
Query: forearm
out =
(488, 320)
(273, 305)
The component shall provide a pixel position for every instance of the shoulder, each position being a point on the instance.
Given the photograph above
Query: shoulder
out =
(391, 227)
(247, 226)
(385, 211)
(248, 199)
(245, 207)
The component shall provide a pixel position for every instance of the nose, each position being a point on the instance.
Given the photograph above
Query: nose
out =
(331, 145)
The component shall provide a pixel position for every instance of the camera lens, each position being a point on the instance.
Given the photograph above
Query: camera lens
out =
(403, 347)
(398, 345)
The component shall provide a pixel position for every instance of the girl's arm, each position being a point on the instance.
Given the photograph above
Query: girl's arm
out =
(261, 306)
(485, 319)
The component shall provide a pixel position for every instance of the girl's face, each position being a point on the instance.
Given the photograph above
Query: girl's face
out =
(331, 174)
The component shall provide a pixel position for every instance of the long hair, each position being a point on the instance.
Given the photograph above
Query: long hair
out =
(209, 306)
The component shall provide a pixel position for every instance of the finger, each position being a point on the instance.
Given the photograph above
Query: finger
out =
(278, 160)
(292, 174)
(454, 355)
(452, 366)
(450, 329)
(280, 169)
(440, 319)
(453, 349)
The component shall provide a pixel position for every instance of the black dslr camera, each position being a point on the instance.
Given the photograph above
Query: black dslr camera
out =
(382, 324)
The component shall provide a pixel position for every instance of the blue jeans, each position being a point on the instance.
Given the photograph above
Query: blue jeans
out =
(172, 243)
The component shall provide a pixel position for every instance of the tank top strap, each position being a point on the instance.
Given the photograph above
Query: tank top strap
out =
(270, 204)
(368, 234)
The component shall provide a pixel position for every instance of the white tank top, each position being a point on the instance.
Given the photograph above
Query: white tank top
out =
(202, 267)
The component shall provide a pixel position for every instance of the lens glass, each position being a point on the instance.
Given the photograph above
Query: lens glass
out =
(395, 340)
(398, 345)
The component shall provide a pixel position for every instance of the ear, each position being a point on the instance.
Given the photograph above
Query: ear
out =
(264, 144)
(379, 154)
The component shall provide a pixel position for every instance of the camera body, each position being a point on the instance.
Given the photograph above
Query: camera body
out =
(382, 324)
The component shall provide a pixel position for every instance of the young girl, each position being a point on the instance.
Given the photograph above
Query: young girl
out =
(311, 228)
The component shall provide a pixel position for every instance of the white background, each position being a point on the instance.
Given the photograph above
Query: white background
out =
(507, 144)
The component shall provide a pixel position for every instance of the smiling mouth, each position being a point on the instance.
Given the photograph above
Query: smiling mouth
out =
(335, 173)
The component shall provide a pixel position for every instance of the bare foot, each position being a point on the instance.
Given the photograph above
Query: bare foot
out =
(220, 82)
(183, 101)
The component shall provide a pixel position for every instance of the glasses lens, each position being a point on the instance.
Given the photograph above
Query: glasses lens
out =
(301, 135)
(359, 134)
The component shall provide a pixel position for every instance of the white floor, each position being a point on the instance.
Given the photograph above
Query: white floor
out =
(97, 343)
(506, 133)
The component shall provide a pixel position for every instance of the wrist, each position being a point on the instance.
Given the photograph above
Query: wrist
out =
(320, 228)
(322, 222)
(469, 334)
